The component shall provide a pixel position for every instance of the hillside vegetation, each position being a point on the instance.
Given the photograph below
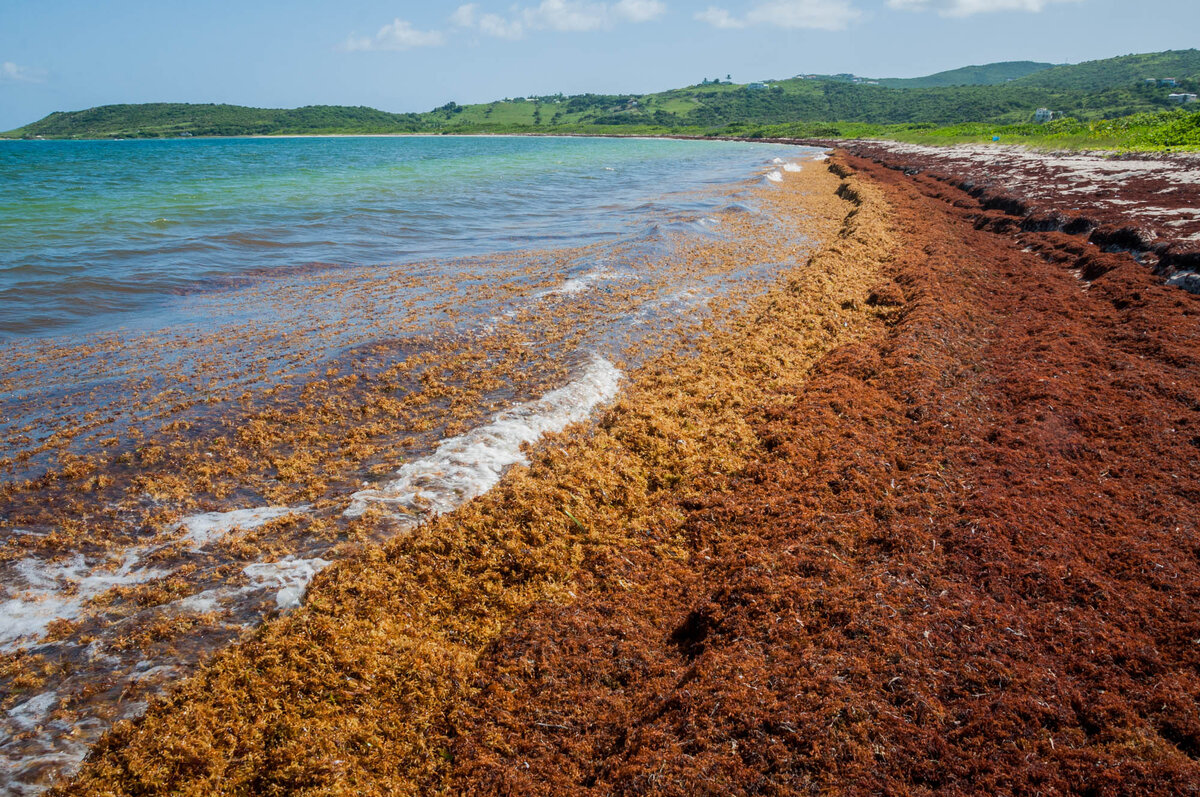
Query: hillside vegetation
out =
(1123, 71)
(985, 75)
(975, 101)
(1163, 130)
(162, 119)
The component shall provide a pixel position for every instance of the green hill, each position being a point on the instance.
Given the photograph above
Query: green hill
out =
(162, 119)
(988, 94)
(1113, 72)
(985, 75)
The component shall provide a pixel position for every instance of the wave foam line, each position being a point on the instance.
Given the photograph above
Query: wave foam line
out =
(200, 530)
(59, 591)
(469, 465)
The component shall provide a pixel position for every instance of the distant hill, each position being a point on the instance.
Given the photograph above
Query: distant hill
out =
(163, 119)
(1095, 90)
(1123, 70)
(984, 75)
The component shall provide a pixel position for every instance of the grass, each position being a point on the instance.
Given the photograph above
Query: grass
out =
(1176, 130)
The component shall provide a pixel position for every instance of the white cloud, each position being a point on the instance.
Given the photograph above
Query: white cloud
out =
(557, 15)
(818, 14)
(468, 16)
(566, 15)
(399, 35)
(501, 28)
(465, 15)
(720, 18)
(13, 73)
(640, 10)
(966, 8)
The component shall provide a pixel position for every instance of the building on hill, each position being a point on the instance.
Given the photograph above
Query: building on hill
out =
(1043, 115)
(1181, 98)
(1168, 81)
(757, 86)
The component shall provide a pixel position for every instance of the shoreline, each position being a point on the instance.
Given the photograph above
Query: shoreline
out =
(211, 500)
(1129, 203)
(849, 144)
(535, 510)
(912, 522)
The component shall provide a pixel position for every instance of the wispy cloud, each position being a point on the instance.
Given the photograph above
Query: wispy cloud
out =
(468, 16)
(566, 15)
(398, 35)
(556, 15)
(14, 73)
(639, 10)
(720, 18)
(966, 8)
(818, 14)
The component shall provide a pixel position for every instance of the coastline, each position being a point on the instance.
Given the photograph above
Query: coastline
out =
(912, 521)
(848, 143)
(142, 548)
(525, 541)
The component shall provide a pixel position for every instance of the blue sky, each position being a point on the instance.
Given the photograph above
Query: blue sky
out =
(410, 56)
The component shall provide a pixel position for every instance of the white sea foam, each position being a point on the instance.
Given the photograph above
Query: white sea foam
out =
(792, 167)
(775, 176)
(211, 526)
(584, 282)
(466, 466)
(291, 576)
(575, 285)
(203, 602)
(58, 591)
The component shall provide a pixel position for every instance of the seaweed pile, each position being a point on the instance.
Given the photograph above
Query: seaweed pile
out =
(1141, 203)
(966, 564)
(921, 519)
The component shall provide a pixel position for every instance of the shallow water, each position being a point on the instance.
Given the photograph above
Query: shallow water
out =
(491, 293)
(93, 230)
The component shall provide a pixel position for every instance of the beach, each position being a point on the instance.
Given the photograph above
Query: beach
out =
(176, 480)
(917, 516)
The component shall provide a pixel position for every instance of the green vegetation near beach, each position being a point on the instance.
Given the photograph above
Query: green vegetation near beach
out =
(1173, 130)
(1120, 102)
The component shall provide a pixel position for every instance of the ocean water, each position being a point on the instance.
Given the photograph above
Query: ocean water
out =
(95, 234)
(419, 308)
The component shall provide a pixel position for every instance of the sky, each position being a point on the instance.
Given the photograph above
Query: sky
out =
(402, 55)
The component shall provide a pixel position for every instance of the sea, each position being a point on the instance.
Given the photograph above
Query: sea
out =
(222, 359)
(102, 234)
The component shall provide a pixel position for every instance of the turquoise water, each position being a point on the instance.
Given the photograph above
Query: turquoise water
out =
(95, 234)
